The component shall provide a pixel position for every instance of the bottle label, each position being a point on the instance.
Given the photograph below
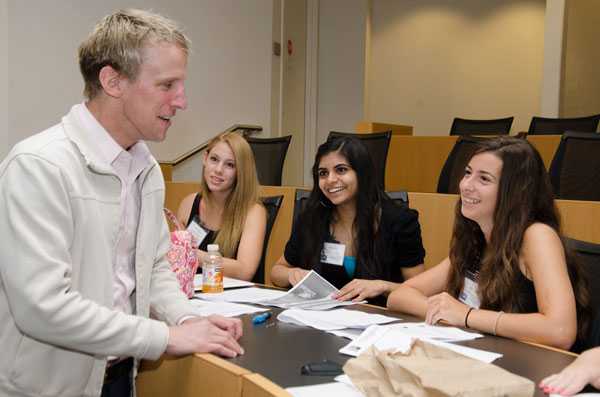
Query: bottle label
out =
(212, 279)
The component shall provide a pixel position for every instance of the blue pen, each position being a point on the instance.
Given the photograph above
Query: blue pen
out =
(261, 318)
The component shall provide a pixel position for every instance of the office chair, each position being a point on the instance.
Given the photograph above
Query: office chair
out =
(272, 205)
(399, 197)
(481, 127)
(299, 203)
(454, 167)
(269, 155)
(589, 257)
(550, 126)
(377, 144)
(575, 168)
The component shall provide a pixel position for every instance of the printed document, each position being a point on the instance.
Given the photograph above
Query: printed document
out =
(228, 282)
(227, 309)
(333, 319)
(242, 295)
(313, 292)
(400, 337)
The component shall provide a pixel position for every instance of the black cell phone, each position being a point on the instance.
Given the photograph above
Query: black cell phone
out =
(322, 368)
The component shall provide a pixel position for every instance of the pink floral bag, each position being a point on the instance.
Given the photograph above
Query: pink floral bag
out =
(182, 255)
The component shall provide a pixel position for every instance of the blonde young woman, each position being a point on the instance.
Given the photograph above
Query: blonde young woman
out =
(227, 210)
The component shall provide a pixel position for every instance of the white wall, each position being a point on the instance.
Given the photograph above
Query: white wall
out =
(3, 75)
(341, 66)
(553, 58)
(581, 83)
(293, 83)
(432, 60)
(229, 74)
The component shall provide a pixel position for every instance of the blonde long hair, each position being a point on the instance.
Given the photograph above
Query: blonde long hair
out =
(243, 196)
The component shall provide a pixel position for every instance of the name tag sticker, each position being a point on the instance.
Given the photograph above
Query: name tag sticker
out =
(469, 295)
(197, 231)
(333, 253)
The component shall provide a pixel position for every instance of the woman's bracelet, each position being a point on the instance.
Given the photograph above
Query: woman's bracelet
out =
(467, 316)
(500, 313)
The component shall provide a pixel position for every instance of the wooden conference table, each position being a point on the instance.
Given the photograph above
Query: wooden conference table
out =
(277, 351)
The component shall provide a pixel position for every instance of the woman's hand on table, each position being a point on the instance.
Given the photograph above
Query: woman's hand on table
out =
(445, 307)
(358, 290)
(585, 369)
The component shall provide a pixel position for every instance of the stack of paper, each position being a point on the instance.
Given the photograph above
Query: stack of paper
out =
(332, 389)
(228, 282)
(399, 337)
(243, 295)
(227, 309)
(313, 292)
(333, 319)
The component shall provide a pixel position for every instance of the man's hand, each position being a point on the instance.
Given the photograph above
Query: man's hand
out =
(213, 334)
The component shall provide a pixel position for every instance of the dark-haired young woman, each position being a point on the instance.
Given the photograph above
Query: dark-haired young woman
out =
(508, 272)
(350, 232)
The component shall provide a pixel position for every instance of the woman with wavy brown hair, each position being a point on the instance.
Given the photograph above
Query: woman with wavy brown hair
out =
(508, 272)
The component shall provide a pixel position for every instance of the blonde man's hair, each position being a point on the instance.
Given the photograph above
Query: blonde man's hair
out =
(242, 197)
(119, 39)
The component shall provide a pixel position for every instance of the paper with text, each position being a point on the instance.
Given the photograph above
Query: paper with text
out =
(242, 295)
(227, 309)
(333, 319)
(313, 292)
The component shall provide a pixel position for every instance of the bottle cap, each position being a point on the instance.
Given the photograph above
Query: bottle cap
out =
(212, 247)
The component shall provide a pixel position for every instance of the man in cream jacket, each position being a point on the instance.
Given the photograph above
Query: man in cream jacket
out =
(83, 237)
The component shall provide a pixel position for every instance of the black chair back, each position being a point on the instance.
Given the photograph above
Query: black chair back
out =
(481, 127)
(589, 257)
(300, 202)
(399, 197)
(377, 144)
(272, 205)
(558, 126)
(575, 168)
(454, 167)
(269, 155)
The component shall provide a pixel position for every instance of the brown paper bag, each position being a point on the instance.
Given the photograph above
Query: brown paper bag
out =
(432, 371)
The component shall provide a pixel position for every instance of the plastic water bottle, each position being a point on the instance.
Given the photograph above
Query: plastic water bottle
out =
(212, 270)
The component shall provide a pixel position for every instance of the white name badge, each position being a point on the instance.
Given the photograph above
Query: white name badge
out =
(469, 295)
(333, 253)
(197, 231)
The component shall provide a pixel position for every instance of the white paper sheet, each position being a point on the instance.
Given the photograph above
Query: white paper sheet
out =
(348, 333)
(477, 354)
(313, 292)
(334, 389)
(579, 395)
(345, 379)
(242, 295)
(395, 337)
(227, 309)
(333, 319)
(436, 332)
(382, 337)
(228, 282)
